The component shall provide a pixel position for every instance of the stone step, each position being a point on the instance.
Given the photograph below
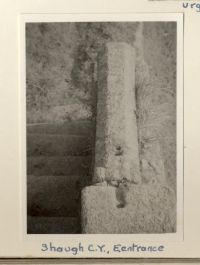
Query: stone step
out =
(53, 225)
(54, 195)
(58, 145)
(66, 128)
(58, 166)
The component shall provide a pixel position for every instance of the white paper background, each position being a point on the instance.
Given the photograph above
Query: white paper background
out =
(12, 243)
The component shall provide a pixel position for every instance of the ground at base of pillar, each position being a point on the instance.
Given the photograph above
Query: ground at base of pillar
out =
(144, 209)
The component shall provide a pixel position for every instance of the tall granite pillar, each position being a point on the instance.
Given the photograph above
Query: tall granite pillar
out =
(116, 147)
(130, 206)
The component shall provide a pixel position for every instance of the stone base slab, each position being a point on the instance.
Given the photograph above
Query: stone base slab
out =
(147, 209)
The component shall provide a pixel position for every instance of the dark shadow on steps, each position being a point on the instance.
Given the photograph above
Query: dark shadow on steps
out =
(59, 159)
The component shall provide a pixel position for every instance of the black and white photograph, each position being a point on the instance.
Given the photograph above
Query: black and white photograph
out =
(101, 127)
(99, 131)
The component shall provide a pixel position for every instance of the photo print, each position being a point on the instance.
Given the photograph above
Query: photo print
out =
(101, 127)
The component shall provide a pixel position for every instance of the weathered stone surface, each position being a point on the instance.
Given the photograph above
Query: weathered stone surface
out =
(80, 127)
(116, 126)
(156, 92)
(152, 164)
(52, 225)
(58, 165)
(58, 144)
(53, 195)
(149, 209)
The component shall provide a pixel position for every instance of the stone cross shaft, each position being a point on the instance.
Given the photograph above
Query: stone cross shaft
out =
(116, 147)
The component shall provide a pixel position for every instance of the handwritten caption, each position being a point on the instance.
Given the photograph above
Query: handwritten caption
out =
(99, 248)
(189, 5)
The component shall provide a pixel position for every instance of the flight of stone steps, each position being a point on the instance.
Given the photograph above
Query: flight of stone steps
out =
(58, 166)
